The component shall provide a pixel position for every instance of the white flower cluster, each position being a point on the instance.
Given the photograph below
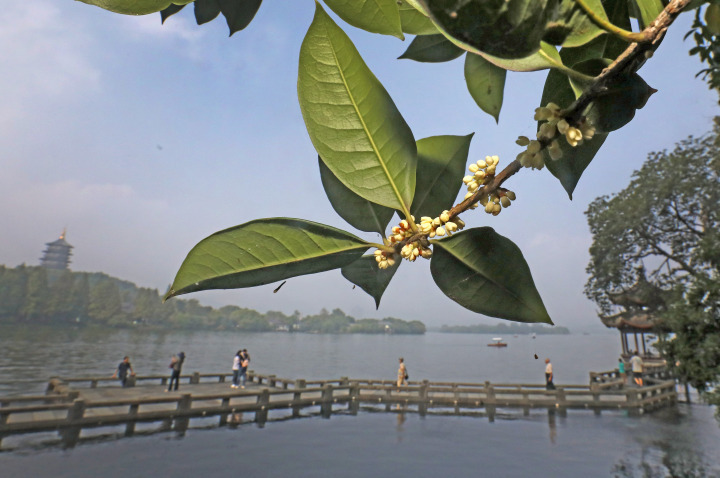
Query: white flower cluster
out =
(484, 172)
(553, 123)
(441, 225)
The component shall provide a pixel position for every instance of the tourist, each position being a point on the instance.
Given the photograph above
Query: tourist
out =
(402, 375)
(236, 369)
(549, 385)
(621, 369)
(122, 371)
(244, 362)
(636, 363)
(176, 364)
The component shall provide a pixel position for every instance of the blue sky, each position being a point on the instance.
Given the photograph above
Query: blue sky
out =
(143, 138)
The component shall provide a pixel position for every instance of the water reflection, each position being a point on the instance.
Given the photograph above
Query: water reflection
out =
(664, 460)
(552, 425)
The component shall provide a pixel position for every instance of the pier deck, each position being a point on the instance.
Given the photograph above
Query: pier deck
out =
(72, 405)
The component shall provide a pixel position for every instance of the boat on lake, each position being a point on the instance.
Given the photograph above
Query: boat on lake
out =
(497, 342)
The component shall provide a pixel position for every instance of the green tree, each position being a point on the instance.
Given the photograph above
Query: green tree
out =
(373, 167)
(13, 287)
(661, 232)
(35, 305)
(105, 305)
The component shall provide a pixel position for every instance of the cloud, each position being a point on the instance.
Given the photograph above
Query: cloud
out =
(44, 55)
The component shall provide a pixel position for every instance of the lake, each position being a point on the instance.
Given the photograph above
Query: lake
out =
(372, 443)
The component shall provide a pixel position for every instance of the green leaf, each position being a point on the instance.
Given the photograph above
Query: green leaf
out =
(486, 273)
(646, 11)
(574, 27)
(486, 84)
(264, 251)
(352, 121)
(366, 274)
(357, 211)
(591, 67)
(238, 13)
(619, 16)
(170, 11)
(574, 161)
(206, 11)
(502, 28)
(546, 57)
(414, 22)
(441, 162)
(616, 107)
(375, 16)
(432, 49)
(135, 7)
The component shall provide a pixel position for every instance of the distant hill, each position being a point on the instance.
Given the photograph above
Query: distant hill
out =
(511, 328)
(36, 295)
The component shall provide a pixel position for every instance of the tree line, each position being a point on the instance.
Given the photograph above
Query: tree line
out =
(36, 295)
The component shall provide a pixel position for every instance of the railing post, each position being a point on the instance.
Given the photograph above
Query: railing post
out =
(300, 383)
(327, 401)
(263, 400)
(225, 405)
(195, 378)
(184, 405)
(130, 381)
(93, 383)
(271, 380)
(560, 397)
(132, 413)
(344, 381)
(423, 395)
(77, 410)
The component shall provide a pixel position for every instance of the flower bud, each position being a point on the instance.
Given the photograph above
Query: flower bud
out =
(473, 167)
(522, 141)
(489, 207)
(480, 175)
(534, 147)
(445, 217)
(481, 164)
(505, 201)
(510, 195)
(440, 231)
(562, 126)
(404, 224)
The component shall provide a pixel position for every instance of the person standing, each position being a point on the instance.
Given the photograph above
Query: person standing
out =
(236, 369)
(176, 364)
(244, 362)
(549, 385)
(636, 364)
(402, 374)
(621, 369)
(122, 371)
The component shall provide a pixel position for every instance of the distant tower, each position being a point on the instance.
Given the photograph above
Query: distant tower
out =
(57, 255)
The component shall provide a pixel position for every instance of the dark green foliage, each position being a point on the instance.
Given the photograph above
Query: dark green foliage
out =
(660, 234)
(80, 298)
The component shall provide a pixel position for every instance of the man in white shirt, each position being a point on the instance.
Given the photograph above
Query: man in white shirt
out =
(637, 368)
(549, 375)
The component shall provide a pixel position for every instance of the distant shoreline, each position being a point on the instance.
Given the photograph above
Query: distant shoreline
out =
(504, 329)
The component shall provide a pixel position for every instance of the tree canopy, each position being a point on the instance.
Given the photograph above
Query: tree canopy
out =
(661, 233)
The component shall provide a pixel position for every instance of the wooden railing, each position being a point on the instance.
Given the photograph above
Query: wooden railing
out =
(69, 410)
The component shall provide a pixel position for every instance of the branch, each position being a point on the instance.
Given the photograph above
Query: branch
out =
(673, 203)
(627, 63)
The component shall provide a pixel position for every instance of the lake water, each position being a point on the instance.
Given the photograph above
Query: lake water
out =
(373, 443)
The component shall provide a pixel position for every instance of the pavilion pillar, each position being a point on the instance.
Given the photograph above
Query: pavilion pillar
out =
(637, 346)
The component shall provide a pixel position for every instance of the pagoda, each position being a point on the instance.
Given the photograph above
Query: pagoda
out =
(57, 254)
(641, 306)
